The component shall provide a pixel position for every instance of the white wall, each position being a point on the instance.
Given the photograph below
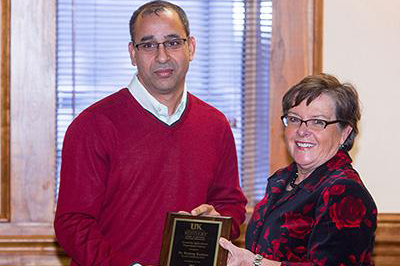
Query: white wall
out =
(362, 46)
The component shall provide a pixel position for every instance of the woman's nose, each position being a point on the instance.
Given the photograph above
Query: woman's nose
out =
(303, 130)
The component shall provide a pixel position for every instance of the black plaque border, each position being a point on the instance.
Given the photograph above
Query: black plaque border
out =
(169, 232)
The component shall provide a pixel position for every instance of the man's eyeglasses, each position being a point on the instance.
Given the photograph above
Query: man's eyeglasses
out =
(150, 47)
(313, 124)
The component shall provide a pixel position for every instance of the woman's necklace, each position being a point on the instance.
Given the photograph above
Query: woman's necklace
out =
(293, 180)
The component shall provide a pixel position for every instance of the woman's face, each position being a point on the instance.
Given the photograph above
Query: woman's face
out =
(311, 148)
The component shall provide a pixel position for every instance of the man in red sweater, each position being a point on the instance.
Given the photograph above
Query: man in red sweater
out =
(146, 150)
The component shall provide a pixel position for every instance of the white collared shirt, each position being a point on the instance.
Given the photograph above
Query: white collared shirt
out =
(151, 104)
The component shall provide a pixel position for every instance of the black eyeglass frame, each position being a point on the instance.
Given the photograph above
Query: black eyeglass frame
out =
(137, 45)
(327, 123)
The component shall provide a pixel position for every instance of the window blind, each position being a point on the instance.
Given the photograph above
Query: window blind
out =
(230, 69)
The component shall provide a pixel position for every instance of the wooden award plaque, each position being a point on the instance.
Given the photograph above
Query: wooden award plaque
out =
(193, 240)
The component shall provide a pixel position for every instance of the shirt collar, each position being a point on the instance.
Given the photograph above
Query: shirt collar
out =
(151, 104)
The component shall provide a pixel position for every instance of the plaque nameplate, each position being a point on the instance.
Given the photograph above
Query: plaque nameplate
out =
(193, 240)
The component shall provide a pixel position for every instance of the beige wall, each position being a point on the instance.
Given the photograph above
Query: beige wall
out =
(362, 45)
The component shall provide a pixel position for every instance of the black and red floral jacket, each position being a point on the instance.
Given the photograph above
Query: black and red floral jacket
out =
(328, 219)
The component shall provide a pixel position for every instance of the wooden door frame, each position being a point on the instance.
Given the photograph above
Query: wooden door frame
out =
(296, 51)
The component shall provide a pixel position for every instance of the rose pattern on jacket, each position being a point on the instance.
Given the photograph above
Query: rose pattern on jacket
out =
(298, 225)
(349, 212)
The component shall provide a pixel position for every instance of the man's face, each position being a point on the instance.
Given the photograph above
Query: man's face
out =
(163, 71)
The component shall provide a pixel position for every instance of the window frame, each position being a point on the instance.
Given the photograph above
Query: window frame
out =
(5, 113)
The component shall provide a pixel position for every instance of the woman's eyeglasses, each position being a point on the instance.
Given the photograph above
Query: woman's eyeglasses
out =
(313, 124)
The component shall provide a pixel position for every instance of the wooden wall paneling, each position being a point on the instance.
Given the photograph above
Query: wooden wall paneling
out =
(31, 250)
(296, 51)
(28, 237)
(317, 38)
(5, 113)
(32, 120)
(387, 242)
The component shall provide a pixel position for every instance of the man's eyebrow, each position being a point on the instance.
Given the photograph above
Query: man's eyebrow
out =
(172, 36)
(151, 37)
(147, 38)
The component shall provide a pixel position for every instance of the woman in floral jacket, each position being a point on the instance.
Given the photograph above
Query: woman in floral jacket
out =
(316, 211)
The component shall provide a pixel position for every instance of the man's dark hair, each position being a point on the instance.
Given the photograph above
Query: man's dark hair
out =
(155, 7)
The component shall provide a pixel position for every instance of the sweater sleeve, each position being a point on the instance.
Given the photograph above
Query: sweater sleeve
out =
(344, 229)
(85, 166)
(225, 194)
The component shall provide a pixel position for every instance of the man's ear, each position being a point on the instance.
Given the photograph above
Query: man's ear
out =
(192, 47)
(131, 48)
